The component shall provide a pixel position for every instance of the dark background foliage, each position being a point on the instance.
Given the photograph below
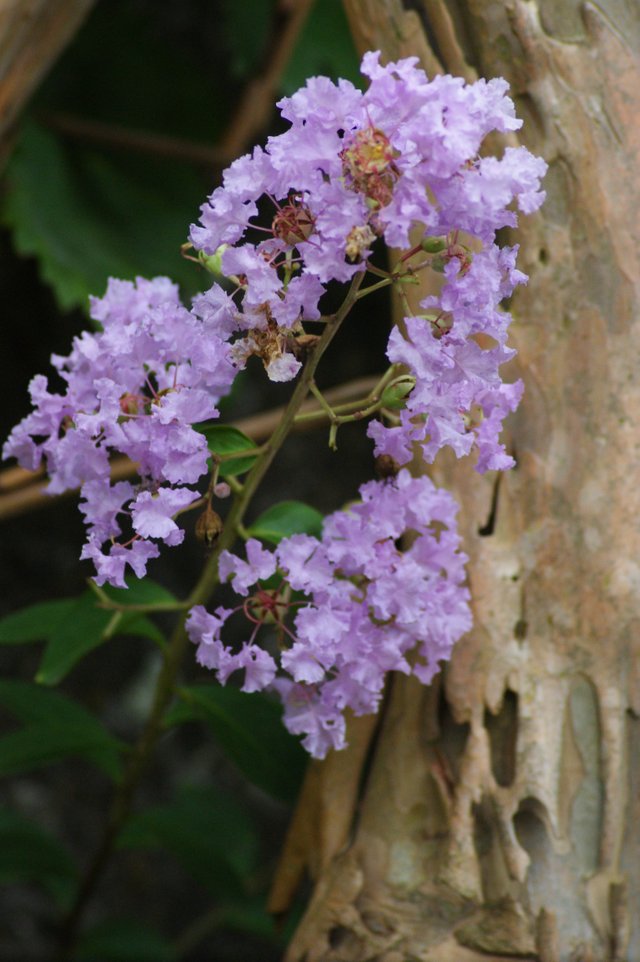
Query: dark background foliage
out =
(119, 149)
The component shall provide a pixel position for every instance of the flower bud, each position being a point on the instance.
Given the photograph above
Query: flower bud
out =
(432, 245)
(394, 396)
(213, 262)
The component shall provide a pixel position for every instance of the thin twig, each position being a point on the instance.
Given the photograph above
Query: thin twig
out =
(117, 137)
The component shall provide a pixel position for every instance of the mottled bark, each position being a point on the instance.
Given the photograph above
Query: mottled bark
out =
(499, 815)
(32, 35)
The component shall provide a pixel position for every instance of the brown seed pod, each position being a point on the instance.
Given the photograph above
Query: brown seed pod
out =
(209, 526)
(386, 467)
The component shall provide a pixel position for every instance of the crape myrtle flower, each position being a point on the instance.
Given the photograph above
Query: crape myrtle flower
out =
(399, 161)
(364, 606)
(137, 387)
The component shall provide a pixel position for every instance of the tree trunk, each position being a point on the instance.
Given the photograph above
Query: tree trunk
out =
(496, 815)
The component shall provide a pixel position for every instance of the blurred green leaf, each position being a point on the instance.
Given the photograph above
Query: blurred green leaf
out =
(224, 439)
(130, 67)
(84, 625)
(34, 623)
(82, 630)
(123, 940)
(73, 627)
(140, 591)
(207, 832)
(250, 915)
(287, 518)
(55, 728)
(325, 47)
(246, 30)
(249, 730)
(29, 854)
(86, 216)
(87, 213)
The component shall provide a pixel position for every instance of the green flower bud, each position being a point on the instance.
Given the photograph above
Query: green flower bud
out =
(433, 245)
(213, 262)
(394, 395)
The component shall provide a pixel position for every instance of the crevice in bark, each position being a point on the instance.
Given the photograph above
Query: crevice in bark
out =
(370, 755)
(502, 729)
(418, 7)
(488, 527)
(464, 27)
(453, 738)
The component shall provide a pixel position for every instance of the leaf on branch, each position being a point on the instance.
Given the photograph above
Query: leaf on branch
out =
(249, 730)
(70, 207)
(34, 623)
(213, 839)
(123, 940)
(72, 627)
(54, 728)
(29, 854)
(223, 439)
(287, 518)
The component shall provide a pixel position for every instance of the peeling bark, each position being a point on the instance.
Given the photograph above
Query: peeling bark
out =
(500, 816)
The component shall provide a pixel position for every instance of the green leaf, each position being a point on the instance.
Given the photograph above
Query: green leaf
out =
(84, 626)
(285, 519)
(34, 623)
(52, 183)
(211, 837)
(82, 630)
(250, 915)
(246, 31)
(123, 940)
(224, 439)
(28, 854)
(325, 47)
(55, 728)
(249, 730)
(140, 591)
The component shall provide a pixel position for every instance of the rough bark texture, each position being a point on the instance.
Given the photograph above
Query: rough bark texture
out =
(32, 35)
(497, 815)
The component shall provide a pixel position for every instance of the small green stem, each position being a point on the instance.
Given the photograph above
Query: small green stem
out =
(235, 485)
(350, 411)
(402, 294)
(149, 609)
(253, 452)
(372, 269)
(375, 287)
(322, 401)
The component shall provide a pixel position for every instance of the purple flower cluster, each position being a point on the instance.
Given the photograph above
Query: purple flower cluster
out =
(368, 607)
(136, 388)
(399, 161)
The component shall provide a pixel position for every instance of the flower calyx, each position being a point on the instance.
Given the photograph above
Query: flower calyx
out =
(293, 223)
